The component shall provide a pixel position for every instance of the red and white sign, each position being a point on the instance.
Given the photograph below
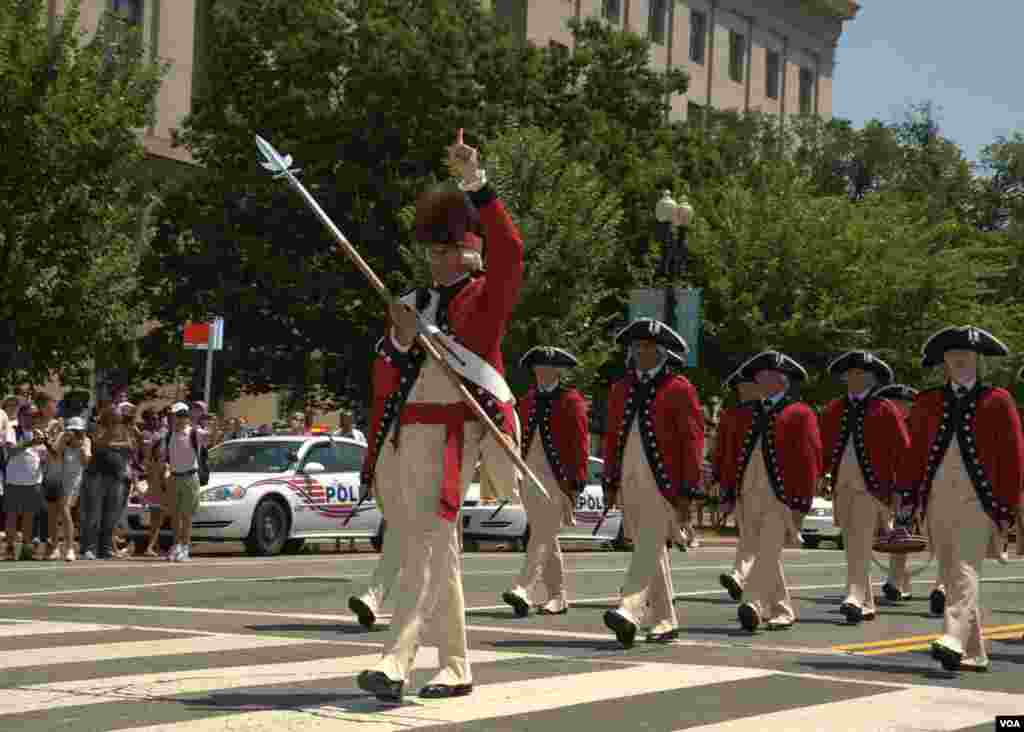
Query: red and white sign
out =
(201, 336)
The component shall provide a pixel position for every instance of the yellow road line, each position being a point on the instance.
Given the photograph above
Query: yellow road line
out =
(1005, 635)
(900, 645)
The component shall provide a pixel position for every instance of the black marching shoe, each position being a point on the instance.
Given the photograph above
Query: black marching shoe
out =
(366, 616)
(521, 606)
(937, 602)
(949, 658)
(749, 618)
(852, 613)
(378, 684)
(891, 593)
(624, 629)
(445, 691)
(732, 586)
(667, 637)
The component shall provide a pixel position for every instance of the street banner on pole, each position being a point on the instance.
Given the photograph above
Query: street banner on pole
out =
(200, 336)
(650, 303)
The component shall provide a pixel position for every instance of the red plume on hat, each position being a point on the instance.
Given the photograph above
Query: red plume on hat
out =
(447, 217)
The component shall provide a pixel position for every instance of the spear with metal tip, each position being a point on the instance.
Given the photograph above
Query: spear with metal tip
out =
(280, 166)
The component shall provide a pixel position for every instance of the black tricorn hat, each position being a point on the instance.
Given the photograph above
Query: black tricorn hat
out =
(864, 360)
(647, 329)
(774, 361)
(961, 338)
(899, 392)
(548, 356)
(447, 217)
(739, 376)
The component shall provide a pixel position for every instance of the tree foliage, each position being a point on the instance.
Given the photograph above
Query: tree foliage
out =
(70, 214)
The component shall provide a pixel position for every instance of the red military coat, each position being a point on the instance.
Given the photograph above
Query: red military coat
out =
(733, 424)
(791, 446)
(880, 441)
(563, 431)
(990, 439)
(671, 425)
(477, 315)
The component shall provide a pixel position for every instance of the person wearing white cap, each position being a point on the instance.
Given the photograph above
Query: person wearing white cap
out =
(73, 453)
(182, 452)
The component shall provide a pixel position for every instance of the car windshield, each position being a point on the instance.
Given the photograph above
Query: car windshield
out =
(254, 457)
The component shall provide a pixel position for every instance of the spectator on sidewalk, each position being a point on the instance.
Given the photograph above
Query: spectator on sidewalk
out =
(23, 496)
(181, 451)
(347, 427)
(160, 497)
(74, 451)
(106, 480)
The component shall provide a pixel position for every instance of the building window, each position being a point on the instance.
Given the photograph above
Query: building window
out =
(806, 91)
(658, 20)
(772, 64)
(698, 34)
(737, 55)
(611, 10)
(128, 10)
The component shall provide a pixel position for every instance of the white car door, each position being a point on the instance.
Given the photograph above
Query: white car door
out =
(347, 464)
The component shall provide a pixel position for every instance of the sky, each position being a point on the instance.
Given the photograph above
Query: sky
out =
(965, 57)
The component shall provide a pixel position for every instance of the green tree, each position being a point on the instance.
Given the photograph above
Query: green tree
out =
(70, 210)
(365, 94)
(569, 217)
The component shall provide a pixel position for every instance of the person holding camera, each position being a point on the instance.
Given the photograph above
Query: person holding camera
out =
(107, 479)
(23, 492)
(73, 453)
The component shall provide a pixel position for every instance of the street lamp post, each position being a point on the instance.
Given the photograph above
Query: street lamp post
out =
(670, 215)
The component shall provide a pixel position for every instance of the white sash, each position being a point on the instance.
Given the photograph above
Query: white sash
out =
(462, 360)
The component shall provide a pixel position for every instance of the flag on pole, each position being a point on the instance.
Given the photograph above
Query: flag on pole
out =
(200, 336)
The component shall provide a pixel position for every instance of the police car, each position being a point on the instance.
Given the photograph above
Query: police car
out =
(486, 519)
(276, 493)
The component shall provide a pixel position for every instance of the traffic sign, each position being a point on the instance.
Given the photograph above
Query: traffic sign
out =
(200, 336)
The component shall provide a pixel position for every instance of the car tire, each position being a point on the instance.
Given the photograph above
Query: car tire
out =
(811, 542)
(377, 542)
(270, 514)
(520, 544)
(293, 546)
(620, 544)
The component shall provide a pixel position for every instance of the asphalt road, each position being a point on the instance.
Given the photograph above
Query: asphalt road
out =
(230, 642)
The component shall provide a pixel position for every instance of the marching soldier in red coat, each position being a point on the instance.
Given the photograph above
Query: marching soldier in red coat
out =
(897, 587)
(436, 438)
(866, 438)
(776, 475)
(732, 427)
(964, 471)
(653, 451)
(555, 445)
(387, 492)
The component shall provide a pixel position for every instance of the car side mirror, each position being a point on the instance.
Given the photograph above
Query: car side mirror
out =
(312, 468)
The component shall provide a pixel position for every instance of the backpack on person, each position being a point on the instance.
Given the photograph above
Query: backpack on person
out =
(202, 455)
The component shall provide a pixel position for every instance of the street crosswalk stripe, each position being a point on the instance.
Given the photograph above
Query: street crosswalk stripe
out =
(46, 628)
(143, 649)
(166, 685)
(938, 709)
(488, 701)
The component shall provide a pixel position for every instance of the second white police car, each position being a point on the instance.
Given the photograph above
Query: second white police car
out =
(491, 520)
